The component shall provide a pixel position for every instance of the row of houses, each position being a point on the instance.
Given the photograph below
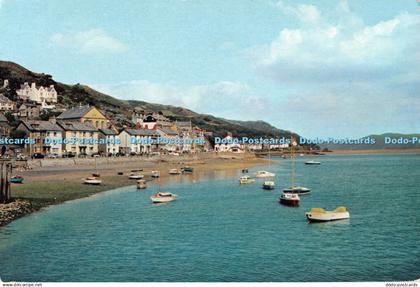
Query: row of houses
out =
(85, 130)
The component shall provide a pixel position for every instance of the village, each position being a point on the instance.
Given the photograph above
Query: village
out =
(85, 131)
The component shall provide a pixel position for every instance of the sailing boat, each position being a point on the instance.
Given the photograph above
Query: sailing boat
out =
(294, 188)
(268, 184)
(95, 178)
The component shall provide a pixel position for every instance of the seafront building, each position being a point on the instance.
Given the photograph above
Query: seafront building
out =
(46, 137)
(229, 144)
(79, 138)
(85, 114)
(110, 142)
(138, 141)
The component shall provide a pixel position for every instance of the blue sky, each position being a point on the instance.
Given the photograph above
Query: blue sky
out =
(319, 68)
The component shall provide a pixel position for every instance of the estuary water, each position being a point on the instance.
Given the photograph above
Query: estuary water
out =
(218, 230)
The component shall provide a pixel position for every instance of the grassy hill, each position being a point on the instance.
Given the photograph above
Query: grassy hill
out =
(119, 111)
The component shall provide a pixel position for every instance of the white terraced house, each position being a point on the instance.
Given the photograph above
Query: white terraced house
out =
(137, 141)
(39, 95)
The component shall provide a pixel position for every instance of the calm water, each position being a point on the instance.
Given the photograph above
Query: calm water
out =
(220, 231)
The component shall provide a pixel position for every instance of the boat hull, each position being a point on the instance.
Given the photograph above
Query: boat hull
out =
(268, 187)
(297, 191)
(328, 216)
(289, 202)
(162, 199)
(92, 182)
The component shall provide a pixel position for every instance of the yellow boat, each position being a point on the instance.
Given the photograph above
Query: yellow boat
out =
(322, 215)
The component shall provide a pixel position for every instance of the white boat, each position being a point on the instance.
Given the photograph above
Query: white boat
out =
(163, 197)
(175, 171)
(289, 199)
(321, 215)
(246, 179)
(92, 180)
(136, 176)
(263, 173)
(297, 190)
(155, 173)
(268, 185)
(141, 184)
(312, 162)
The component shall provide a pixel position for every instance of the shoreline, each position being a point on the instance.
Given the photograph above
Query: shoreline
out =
(376, 151)
(56, 184)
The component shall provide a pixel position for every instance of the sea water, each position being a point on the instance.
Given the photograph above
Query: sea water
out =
(219, 230)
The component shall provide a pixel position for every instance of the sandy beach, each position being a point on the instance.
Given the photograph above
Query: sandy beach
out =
(58, 180)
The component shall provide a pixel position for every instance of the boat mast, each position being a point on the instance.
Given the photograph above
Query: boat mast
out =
(292, 157)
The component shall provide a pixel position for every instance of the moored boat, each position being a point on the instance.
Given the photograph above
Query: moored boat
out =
(155, 173)
(312, 162)
(268, 185)
(141, 184)
(246, 179)
(163, 197)
(289, 199)
(136, 176)
(321, 215)
(263, 173)
(175, 171)
(244, 170)
(92, 181)
(187, 169)
(16, 179)
(297, 190)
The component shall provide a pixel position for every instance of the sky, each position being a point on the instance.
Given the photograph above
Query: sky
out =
(319, 68)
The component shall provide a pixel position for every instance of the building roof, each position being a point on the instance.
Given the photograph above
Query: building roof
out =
(3, 118)
(75, 112)
(41, 126)
(142, 132)
(169, 132)
(4, 99)
(76, 126)
(108, 132)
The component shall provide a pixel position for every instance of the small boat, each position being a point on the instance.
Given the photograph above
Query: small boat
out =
(312, 162)
(163, 197)
(246, 179)
(120, 173)
(92, 181)
(175, 171)
(263, 173)
(297, 190)
(187, 169)
(141, 184)
(16, 179)
(289, 199)
(268, 185)
(301, 154)
(95, 174)
(244, 170)
(137, 170)
(155, 173)
(136, 176)
(321, 215)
